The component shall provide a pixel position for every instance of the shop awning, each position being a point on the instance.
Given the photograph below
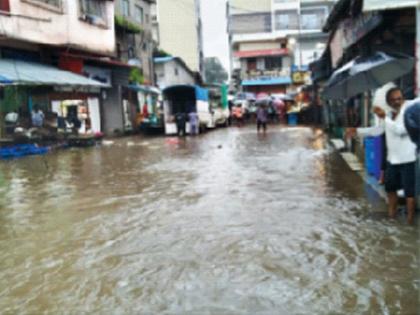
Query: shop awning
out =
(18, 72)
(270, 81)
(144, 88)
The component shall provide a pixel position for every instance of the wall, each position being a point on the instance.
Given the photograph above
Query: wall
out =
(112, 111)
(178, 35)
(144, 44)
(55, 28)
(240, 6)
(165, 74)
(309, 46)
(258, 46)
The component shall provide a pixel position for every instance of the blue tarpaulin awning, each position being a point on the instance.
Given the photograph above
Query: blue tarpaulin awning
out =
(201, 94)
(19, 72)
(268, 81)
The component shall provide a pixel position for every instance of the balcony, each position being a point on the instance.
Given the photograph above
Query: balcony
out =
(258, 74)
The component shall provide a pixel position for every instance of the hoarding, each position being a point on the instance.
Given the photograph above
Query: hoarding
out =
(373, 5)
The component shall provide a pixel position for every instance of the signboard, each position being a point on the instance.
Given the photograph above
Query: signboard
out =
(377, 5)
(355, 29)
(262, 53)
(301, 77)
(98, 74)
(350, 31)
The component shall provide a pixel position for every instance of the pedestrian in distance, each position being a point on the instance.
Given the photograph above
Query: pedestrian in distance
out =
(37, 117)
(238, 115)
(401, 152)
(194, 123)
(262, 118)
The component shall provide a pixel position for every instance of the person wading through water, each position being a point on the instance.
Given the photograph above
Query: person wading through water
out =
(401, 154)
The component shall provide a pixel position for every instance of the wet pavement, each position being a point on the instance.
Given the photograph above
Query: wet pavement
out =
(226, 223)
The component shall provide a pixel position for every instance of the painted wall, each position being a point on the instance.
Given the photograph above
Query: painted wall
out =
(39, 24)
(241, 6)
(166, 74)
(178, 30)
(258, 46)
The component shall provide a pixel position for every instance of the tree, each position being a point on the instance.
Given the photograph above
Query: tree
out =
(214, 71)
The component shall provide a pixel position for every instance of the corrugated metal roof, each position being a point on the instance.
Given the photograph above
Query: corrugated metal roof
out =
(144, 88)
(28, 73)
(270, 81)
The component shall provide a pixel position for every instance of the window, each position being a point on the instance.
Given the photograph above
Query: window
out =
(125, 7)
(252, 64)
(4, 5)
(251, 23)
(139, 14)
(273, 63)
(176, 72)
(94, 12)
(147, 18)
(313, 18)
(54, 5)
(287, 20)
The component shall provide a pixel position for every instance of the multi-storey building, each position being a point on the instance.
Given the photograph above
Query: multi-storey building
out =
(40, 39)
(134, 34)
(180, 31)
(271, 39)
(86, 25)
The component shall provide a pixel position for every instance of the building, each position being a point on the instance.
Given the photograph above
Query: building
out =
(180, 31)
(273, 42)
(173, 71)
(39, 38)
(134, 35)
(81, 25)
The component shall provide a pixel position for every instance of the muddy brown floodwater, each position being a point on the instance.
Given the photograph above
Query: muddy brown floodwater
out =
(225, 223)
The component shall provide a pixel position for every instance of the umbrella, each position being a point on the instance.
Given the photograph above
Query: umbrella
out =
(412, 122)
(262, 96)
(367, 73)
(288, 98)
(278, 104)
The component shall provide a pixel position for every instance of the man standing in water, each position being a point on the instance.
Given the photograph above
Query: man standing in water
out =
(401, 155)
(181, 120)
(262, 118)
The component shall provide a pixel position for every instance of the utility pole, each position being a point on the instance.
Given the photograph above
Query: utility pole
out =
(300, 34)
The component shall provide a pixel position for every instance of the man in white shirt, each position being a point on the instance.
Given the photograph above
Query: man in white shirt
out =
(401, 156)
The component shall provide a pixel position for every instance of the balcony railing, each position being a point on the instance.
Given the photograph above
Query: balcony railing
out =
(254, 74)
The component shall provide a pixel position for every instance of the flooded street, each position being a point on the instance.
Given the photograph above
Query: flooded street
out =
(226, 223)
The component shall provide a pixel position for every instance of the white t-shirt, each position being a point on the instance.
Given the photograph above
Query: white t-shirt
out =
(401, 149)
(11, 117)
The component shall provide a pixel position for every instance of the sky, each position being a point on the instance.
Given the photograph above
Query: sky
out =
(215, 38)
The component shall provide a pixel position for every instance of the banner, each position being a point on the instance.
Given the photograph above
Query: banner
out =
(373, 5)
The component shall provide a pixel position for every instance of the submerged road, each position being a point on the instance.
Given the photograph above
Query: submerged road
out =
(226, 223)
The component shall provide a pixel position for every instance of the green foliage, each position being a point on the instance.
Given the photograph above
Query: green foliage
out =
(214, 71)
(123, 23)
(13, 98)
(136, 76)
(161, 53)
